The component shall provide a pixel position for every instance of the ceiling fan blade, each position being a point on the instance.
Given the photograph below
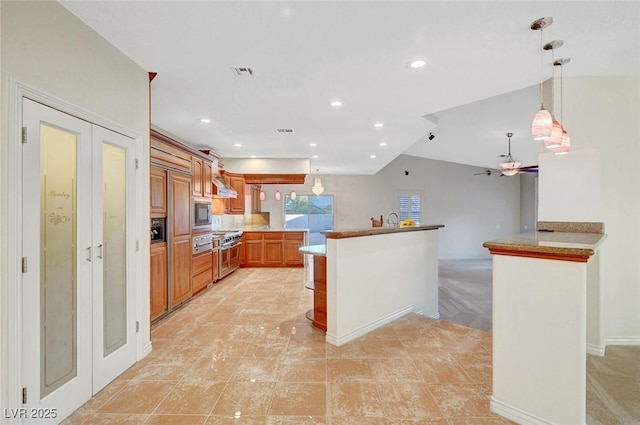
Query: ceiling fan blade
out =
(529, 167)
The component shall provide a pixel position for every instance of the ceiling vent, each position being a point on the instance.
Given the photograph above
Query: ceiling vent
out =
(243, 71)
(284, 130)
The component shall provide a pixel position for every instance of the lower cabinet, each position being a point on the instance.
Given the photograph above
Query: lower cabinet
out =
(181, 288)
(272, 249)
(158, 282)
(202, 271)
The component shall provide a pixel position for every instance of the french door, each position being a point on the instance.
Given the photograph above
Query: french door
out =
(78, 298)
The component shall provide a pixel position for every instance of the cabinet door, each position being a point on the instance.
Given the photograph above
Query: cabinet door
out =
(207, 185)
(196, 176)
(180, 205)
(215, 265)
(181, 288)
(273, 255)
(253, 253)
(293, 241)
(237, 204)
(256, 204)
(159, 284)
(158, 189)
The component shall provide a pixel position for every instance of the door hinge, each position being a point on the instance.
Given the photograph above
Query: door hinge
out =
(24, 134)
(24, 395)
(137, 245)
(24, 264)
(137, 326)
(137, 163)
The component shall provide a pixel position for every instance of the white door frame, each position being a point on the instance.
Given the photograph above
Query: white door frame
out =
(11, 219)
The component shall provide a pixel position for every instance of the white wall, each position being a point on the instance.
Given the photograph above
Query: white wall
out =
(602, 115)
(471, 207)
(46, 48)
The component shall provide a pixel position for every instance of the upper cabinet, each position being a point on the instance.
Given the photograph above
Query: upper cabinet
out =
(158, 189)
(236, 181)
(201, 177)
(256, 204)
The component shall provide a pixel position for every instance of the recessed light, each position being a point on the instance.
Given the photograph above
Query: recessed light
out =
(383, 143)
(372, 156)
(417, 63)
(238, 145)
(313, 145)
(205, 120)
(336, 103)
(253, 156)
(378, 125)
(315, 157)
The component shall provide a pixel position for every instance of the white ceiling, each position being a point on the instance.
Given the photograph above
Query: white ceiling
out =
(306, 54)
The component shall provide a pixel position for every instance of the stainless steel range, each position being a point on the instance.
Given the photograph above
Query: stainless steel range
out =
(229, 258)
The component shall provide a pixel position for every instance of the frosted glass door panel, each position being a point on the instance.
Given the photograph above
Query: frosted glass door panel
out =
(58, 279)
(115, 248)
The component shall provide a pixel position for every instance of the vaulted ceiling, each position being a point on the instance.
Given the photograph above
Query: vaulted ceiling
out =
(480, 78)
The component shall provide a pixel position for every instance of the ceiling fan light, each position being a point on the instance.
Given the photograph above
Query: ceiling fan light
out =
(556, 136)
(542, 125)
(510, 172)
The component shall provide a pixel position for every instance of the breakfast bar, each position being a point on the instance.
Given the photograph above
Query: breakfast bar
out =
(541, 321)
(366, 278)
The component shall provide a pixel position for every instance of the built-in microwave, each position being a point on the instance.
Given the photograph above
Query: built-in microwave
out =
(201, 214)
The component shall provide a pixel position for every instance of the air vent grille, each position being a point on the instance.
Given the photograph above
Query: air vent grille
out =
(243, 71)
(284, 130)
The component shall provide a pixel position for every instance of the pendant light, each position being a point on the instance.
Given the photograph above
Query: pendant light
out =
(542, 121)
(293, 195)
(262, 195)
(277, 195)
(317, 187)
(509, 165)
(555, 139)
(565, 140)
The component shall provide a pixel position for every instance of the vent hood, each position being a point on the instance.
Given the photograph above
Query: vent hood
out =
(222, 188)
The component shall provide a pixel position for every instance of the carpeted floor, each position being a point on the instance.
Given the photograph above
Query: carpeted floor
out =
(613, 381)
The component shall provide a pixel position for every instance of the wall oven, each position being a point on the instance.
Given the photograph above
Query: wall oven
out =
(201, 214)
(229, 259)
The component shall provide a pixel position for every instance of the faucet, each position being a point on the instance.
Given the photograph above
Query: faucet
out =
(391, 223)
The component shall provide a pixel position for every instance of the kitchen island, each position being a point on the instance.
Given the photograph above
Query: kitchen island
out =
(545, 310)
(373, 276)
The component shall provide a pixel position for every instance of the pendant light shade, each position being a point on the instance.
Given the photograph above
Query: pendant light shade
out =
(556, 136)
(277, 195)
(293, 195)
(542, 125)
(565, 145)
(317, 187)
(262, 195)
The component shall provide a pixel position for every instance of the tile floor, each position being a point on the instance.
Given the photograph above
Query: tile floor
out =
(242, 353)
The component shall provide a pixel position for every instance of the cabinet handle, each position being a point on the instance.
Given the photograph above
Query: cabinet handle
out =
(100, 251)
(89, 254)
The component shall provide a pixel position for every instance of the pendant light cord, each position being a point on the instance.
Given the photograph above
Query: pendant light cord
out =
(541, 70)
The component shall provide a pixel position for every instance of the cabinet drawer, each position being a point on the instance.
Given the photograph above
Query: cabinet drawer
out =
(201, 280)
(201, 263)
(252, 236)
(272, 236)
(295, 236)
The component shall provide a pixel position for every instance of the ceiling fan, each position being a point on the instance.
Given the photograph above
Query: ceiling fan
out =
(511, 167)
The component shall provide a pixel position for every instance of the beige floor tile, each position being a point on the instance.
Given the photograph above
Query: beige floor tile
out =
(252, 369)
(358, 370)
(176, 420)
(191, 398)
(162, 369)
(479, 421)
(77, 418)
(303, 370)
(354, 399)
(357, 420)
(309, 349)
(394, 370)
(457, 400)
(232, 420)
(299, 399)
(384, 348)
(421, 421)
(478, 366)
(267, 348)
(408, 400)
(102, 397)
(116, 419)
(138, 397)
(212, 368)
(440, 370)
(248, 398)
(296, 420)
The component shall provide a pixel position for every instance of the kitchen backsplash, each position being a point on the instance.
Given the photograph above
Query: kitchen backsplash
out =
(234, 221)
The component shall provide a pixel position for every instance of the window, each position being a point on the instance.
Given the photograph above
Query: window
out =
(410, 207)
(309, 212)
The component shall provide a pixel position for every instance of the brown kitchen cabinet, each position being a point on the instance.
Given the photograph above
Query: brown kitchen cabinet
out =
(272, 249)
(158, 280)
(235, 205)
(201, 177)
(181, 251)
(256, 203)
(158, 190)
(202, 269)
(215, 265)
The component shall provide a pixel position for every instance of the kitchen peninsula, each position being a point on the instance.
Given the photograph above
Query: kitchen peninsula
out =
(373, 276)
(545, 312)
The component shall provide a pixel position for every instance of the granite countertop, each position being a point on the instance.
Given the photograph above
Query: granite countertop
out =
(319, 250)
(270, 229)
(370, 231)
(558, 245)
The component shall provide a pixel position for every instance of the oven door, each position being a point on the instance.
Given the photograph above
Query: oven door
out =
(201, 214)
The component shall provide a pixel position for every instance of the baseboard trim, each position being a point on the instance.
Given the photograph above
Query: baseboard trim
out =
(341, 340)
(622, 340)
(518, 415)
(595, 350)
(148, 347)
